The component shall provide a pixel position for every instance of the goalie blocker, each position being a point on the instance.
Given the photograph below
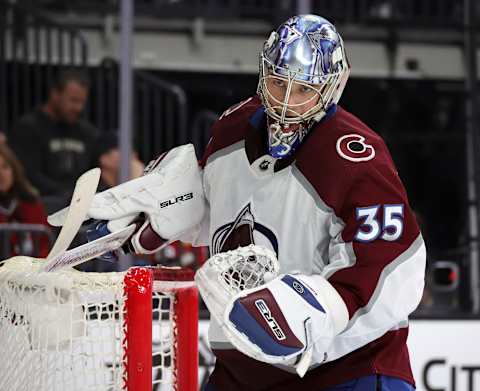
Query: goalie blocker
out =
(166, 202)
(279, 322)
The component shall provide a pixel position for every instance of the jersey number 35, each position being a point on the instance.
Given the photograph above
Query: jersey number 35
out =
(389, 229)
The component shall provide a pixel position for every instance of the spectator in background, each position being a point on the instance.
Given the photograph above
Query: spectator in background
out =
(19, 203)
(53, 142)
(107, 156)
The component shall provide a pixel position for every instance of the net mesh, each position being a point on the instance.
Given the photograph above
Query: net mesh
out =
(163, 341)
(65, 330)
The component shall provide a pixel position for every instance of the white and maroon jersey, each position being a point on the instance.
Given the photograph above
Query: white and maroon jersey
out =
(336, 208)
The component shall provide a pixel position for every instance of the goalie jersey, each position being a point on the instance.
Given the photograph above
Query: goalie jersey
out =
(336, 208)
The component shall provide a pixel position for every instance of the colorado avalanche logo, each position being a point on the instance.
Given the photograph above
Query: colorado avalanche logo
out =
(354, 148)
(240, 233)
(290, 32)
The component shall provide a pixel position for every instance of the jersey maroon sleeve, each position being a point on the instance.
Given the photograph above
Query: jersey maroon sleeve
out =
(379, 195)
(361, 185)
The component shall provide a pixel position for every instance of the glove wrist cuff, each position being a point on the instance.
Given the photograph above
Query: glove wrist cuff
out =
(147, 241)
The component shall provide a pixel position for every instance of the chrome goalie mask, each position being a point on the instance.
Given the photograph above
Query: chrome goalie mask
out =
(303, 71)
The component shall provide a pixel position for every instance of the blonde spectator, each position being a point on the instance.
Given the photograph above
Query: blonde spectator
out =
(20, 203)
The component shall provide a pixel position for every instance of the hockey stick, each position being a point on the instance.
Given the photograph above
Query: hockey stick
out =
(90, 250)
(82, 197)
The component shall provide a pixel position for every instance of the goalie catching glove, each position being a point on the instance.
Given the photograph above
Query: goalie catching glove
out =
(165, 202)
(281, 321)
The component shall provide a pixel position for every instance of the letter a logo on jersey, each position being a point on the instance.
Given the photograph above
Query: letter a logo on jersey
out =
(241, 232)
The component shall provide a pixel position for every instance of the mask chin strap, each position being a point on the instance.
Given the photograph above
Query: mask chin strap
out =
(283, 144)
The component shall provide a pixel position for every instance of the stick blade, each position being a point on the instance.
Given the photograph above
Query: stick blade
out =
(85, 189)
(89, 250)
(58, 218)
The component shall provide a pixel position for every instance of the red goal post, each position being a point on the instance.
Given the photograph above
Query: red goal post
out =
(136, 330)
(141, 285)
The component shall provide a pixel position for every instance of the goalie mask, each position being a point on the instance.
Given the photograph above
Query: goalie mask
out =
(303, 71)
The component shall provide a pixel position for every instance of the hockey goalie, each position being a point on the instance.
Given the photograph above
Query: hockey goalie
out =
(317, 259)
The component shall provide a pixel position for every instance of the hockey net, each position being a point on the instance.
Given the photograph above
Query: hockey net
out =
(71, 330)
